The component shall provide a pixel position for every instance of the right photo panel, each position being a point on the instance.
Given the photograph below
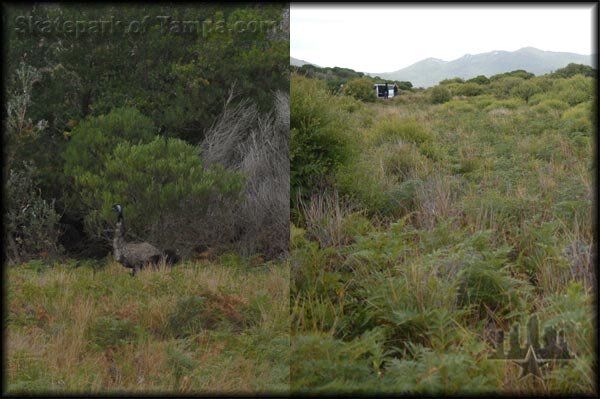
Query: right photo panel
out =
(442, 190)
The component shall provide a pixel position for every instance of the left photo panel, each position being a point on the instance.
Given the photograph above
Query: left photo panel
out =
(146, 198)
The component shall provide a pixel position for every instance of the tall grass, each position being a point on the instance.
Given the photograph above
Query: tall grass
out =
(474, 213)
(243, 139)
(200, 327)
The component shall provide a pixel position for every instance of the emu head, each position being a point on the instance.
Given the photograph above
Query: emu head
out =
(119, 209)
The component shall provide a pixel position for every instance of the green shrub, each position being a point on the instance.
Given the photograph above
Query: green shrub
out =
(538, 246)
(575, 69)
(518, 73)
(31, 222)
(319, 144)
(453, 371)
(452, 80)
(404, 85)
(356, 224)
(480, 102)
(469, 89)
(487, 285)
(365, 185)
(525, 90)
(439, 95)
(575, 90)
(480, 79)
(578, 118)
(395, 130)
(502, 87)
(349, 104)
(402, 160)
(362, 89)
(92, 141)
(162, 185)
(320, 363)
(511, 103)
(550, 105)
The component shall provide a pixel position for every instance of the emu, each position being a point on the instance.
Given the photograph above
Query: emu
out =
(136, 256)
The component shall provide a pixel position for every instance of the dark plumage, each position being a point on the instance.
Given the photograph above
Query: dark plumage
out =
(137, 255)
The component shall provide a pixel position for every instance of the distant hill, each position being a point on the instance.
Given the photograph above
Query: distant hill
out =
(297, 62)
(430, 71)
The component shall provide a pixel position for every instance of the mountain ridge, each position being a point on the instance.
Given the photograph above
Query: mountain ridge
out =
(425, 73)
(430, 71)
(298, 62)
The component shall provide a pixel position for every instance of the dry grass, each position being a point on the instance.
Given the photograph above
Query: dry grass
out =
(243, 139)
(50, 349)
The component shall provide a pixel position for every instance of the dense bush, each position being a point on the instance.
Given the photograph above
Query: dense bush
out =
(575, 69)
(575, 90)
(404, 85)
(92, 141)
(452, 80)
(578, 118)
(480, 79)
(525, 90)
(361, 89)
(90, 93)
(319, 142)
(518, 73)
(183, 92)
(31, 222)
(502, 87)
(468, 89)
(367, 187)
(551, 105)
(164, 188)
(440, 95)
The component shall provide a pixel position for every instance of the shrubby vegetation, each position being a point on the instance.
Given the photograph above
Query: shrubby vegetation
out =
(144, 119)
(361, 89)
(440, 95)
(337, 80)
(168, 189)
(33, 219)
(317, 131)
(467, 208)
(90, 114)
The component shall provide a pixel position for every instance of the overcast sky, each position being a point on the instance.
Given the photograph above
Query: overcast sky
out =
(386, 38)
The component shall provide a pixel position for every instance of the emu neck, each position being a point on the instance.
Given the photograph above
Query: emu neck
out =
(119, 239)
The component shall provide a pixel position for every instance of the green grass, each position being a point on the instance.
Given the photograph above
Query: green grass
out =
(199, 327)
(475, 214)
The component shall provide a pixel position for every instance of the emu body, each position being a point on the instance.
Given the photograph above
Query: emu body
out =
(136, 256)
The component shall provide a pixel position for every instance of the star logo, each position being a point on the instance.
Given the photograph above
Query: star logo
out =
(531, 364)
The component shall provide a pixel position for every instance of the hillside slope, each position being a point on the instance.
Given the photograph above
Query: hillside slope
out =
(430, 71)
